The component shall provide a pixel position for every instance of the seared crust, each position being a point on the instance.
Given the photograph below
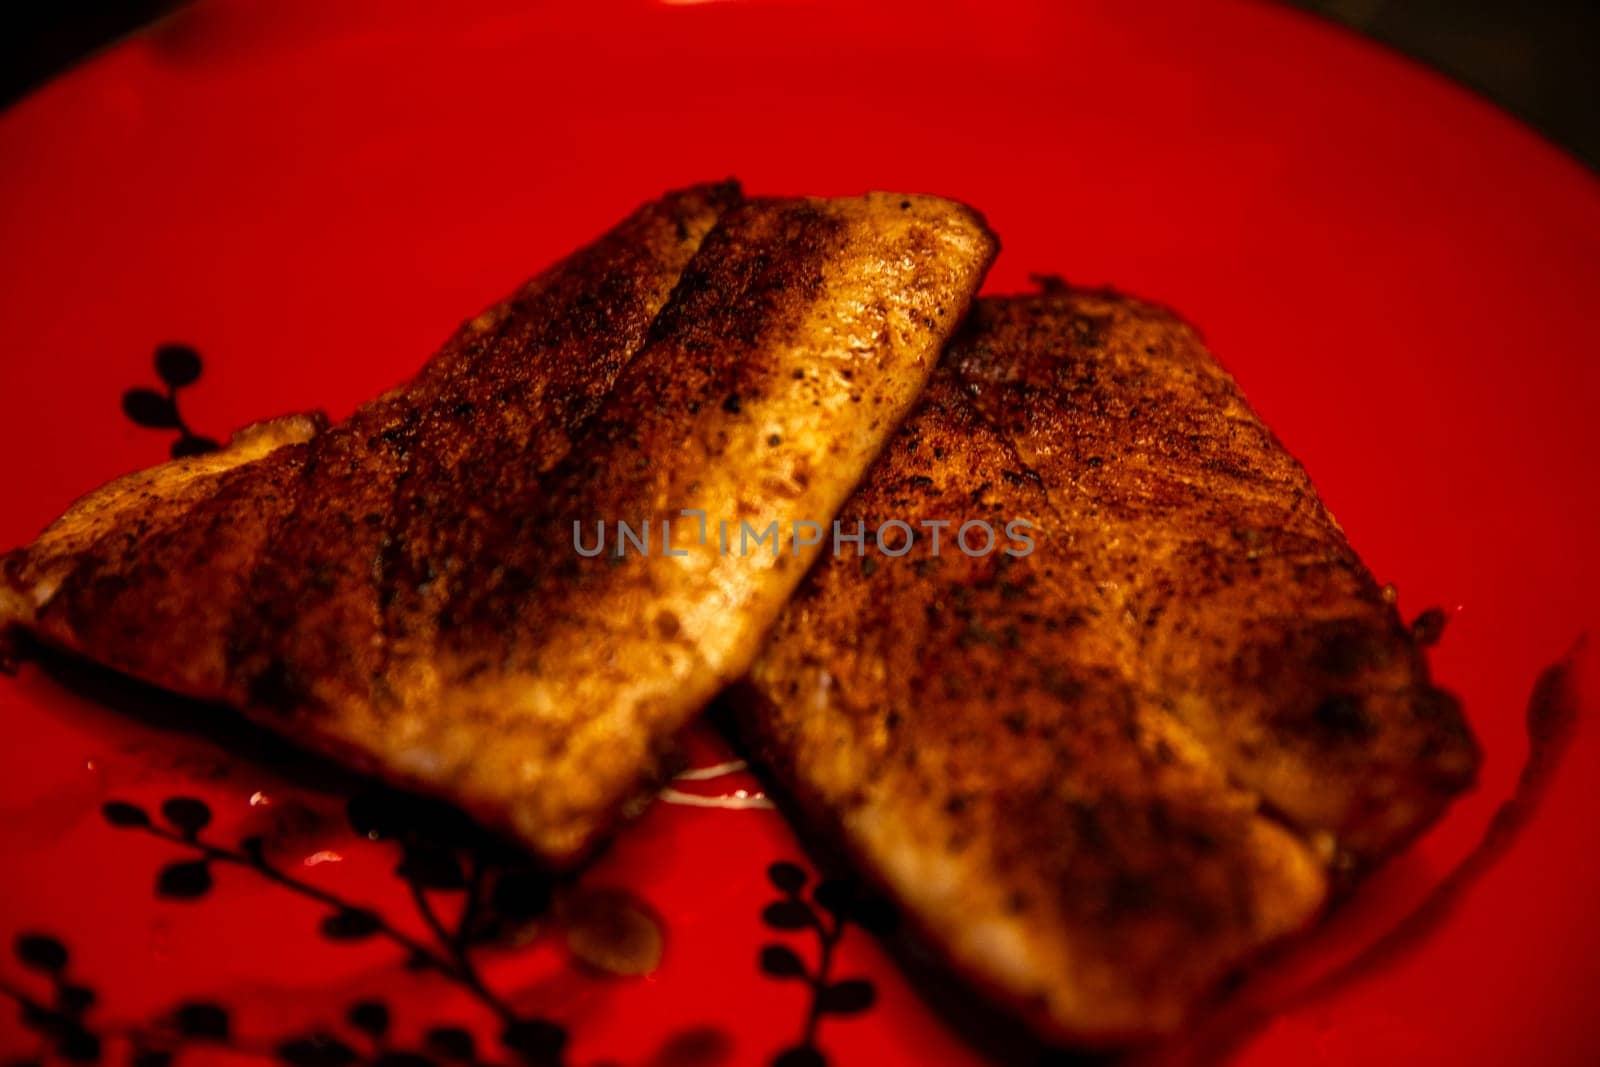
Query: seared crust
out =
(105, 544)
(259, 576)
(1071, 767)
(967, 728)
(384, 513)
(402, 589)
(1237, 596)
(794, 344)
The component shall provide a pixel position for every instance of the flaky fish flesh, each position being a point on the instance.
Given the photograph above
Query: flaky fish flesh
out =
(1103, 767)
(402, 589)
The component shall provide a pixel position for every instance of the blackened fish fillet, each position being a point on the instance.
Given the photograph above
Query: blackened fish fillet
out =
(1101, 776)
(796, 341)
(264, 575)
(167, 574)
(1239, 599)
(401, 589)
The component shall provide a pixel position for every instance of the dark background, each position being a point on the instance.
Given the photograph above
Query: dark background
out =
(1537, 60)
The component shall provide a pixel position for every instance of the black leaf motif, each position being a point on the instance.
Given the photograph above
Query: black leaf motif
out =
(41, 952)
(350, 924)
(787, 915)
(203, 1020)
(781, 961)
(847, 997)
(150, 409)
(451, 1043)
(121, 814)
(187, 814)
(185, 880)
(800, 1056)
(835, 901)
(537, 1039)
(787, 877)
(319, 1050)
(437, 848)
(370, 1017)
(177, 364)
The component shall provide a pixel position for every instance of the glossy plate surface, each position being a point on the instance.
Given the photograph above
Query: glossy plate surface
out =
(312, 196)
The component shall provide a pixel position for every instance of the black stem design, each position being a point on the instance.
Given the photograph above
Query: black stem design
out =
(831, 907)
(59, 1021)
(253, 859)
(63, 1031)
(184, 432)
(177, 365)
(431, 859)
(819, 980)
(464, 970)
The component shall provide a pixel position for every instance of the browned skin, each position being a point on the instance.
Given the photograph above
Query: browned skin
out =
(116, 538)
(793, 346)
(258, 575)
(1235, 591)
(969, 729)
(1096, 775)
(402, 590)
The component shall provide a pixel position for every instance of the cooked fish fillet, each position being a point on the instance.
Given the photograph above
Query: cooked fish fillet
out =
(164, 574)
(403, 589)
(258, 575)
(1234, 589)
(793, 346)
(1040, 755)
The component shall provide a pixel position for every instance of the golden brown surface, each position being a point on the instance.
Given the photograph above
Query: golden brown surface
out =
(1102, 776)
(402, 589)
(181, 567)
(793, 346)
(1235, 590)
(259, 575)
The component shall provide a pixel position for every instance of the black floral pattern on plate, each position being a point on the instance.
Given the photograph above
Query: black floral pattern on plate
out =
(833, 904)
(178, 366)
(499, 892)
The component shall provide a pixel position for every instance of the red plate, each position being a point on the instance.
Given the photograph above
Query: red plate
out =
(313, 195)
